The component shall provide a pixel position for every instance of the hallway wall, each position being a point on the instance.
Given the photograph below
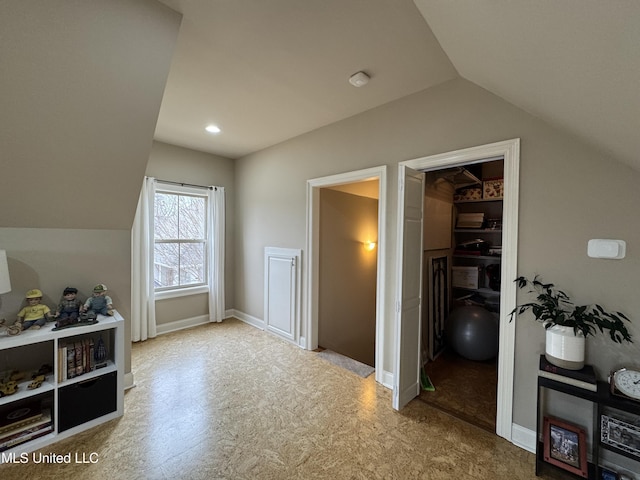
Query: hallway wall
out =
(347, 299)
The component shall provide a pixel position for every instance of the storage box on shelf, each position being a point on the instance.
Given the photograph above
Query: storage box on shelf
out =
(83, 384)
(493, 188)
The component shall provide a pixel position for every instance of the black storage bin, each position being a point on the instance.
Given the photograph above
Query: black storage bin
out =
(87, 400)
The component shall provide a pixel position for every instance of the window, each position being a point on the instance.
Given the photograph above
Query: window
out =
(180, 238)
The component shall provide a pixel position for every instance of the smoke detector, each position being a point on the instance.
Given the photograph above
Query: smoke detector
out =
(359, 79)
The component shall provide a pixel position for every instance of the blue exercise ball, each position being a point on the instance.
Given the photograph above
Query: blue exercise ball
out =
(473, 332)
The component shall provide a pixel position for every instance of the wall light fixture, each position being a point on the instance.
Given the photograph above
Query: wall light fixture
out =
(369, 246)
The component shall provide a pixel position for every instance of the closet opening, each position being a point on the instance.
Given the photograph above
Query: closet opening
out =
(462, 256)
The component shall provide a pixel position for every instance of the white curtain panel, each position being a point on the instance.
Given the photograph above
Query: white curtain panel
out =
(216, 254)
(143, 308)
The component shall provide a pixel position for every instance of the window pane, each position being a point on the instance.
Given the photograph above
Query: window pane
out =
(166, 265)
(192, 214)
(192, 263)
(166, 216)
(180, 236)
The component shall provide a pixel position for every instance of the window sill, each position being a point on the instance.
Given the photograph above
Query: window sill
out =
(181, 292)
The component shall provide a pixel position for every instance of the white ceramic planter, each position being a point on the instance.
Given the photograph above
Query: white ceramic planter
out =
(565, 349)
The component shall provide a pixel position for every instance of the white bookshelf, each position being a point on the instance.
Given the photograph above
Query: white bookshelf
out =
(32, 348)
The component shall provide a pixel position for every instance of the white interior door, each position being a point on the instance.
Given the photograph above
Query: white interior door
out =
(406, 383)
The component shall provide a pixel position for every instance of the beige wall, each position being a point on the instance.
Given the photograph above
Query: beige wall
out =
(569, 193)
(347, 275)
(77, 115)
(177, 164)
(80, 100)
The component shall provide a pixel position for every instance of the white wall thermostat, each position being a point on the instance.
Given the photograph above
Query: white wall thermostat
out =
(606, 248)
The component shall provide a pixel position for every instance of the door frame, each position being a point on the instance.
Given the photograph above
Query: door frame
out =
(509, 150)
(312, 259)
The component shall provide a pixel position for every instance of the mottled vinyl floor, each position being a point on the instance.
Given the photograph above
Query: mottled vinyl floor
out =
(229, 401)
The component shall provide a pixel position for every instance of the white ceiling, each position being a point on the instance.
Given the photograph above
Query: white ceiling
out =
(269, 70)
(365, 188)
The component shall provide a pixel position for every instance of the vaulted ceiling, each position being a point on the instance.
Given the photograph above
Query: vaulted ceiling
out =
(85, 84)
(267, 71)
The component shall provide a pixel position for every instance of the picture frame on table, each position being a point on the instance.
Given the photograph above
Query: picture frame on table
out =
(565, 446)
(620, 434)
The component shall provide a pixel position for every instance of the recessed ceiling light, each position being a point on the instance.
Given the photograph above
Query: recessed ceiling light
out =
(212, 129)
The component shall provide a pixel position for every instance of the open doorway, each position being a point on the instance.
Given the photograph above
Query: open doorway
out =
(313, 258)
(462, 253)
(348, 270)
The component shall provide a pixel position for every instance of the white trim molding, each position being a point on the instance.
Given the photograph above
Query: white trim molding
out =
(182, 324)
(386, 379)
(523, 438)
(129, 381)
(249, 319)
(181, 292)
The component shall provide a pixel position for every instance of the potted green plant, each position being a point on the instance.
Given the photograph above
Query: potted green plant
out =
(567, 325)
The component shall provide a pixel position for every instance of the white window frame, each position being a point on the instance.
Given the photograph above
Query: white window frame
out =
(181, 291)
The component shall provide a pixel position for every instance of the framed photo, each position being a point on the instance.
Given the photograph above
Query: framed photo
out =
(620, 434)
(565, 446)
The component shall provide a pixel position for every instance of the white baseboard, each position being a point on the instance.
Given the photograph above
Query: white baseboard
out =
(246, 318)
(187, 323)
(258, 323)
(182, 324)
(128, 381)
(523, 438)
(385, 378)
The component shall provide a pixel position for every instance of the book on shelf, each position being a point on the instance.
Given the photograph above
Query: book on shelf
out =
(63, 362)
(76, 358)
(18, 426)
(40, 423)
(71, 361)
(584, 378)
(91, 362)
(17, 415)
(27, 435)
